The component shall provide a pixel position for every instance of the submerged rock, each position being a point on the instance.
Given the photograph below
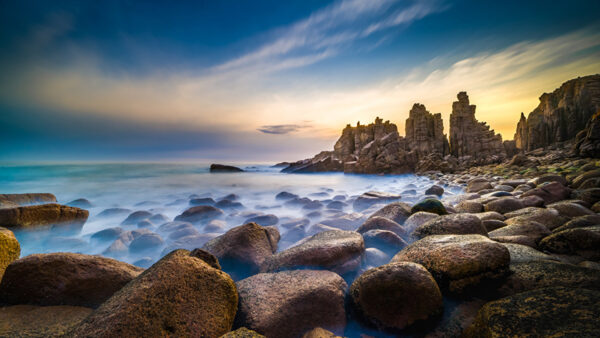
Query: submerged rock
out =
(370, 198)
(59, 217)
(381, 223)
(199, 214)
(221, 168)
(397, 212)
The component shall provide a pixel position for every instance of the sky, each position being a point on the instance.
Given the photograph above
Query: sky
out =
(260, 81)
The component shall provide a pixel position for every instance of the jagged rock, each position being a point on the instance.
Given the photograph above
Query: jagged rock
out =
(425, 132)
(59, 217)
(40, 321)
(560, 115)
(588, 140)
(468, 137)
(10, 250)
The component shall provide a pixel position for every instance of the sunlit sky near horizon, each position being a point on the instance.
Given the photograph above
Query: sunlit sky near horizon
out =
(237, 80)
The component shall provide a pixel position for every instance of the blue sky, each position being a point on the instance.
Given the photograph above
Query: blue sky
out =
(268, 80)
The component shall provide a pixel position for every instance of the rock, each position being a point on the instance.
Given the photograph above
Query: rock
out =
(190, 242)
(490, 215)
(431, 205)
(522, 254)
(336, 205)
(417, 219)
(289, 303)
(207, 257)
(540, 313)
(367, 199)
(187, 231)
(180, 295)
(80, 203)
(10, 250)
(320, 333)
(136, 217)
(435, 190)
(284, 196)
(596, 207)
(451, 224)
(40, 321)
(242, 332)
(375, 257)
(381, 223)
(109, 234)
(575, 101)
(339, 251)
(584, 242)
(588, 140)
(504, 205)
(384, 240)
(503, 188)
(550, 178)
(26, 199)
(397, 212)
(478, 184)
(469, 206)
(242, 250)
(221, 168)
(380, 296)
(548, 217)
(585, 176)
(345, 222)
(113, 212)
(458, 262)
(532, 201)
(145, 224)
(146, 242)
(56, 216)
(579, 222)
(492, 224)
(570, 209)
(202, 201)
(550, 192)
(534, 230)
(199, 214)
(425, 132)
(468, 137)
(591, 196)
(64, 279)
(264, 220)
(227, 204)
(215, 226)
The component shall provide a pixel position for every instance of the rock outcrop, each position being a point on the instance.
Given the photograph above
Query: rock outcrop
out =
(425, 132)
(560, 115)
(588, 140)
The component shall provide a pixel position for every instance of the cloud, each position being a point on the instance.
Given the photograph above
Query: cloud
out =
(280, 129)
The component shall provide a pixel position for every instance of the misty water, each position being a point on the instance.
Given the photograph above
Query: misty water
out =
(165, 190)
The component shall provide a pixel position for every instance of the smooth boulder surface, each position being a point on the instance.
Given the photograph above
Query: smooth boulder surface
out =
(584, 242)
(397, 212)
(381, 223)
(522, 254)
(395, 296)
(417, 219)
(40, 321)
(64, 279)
(289, 303)
(202, 213)
(264, 220)
(504, 205)
(242, 250)
(338, 250)
(478, 184)
(180, 295)
(458, 262)
(523, 227)
(370, 198)
(10, 250)
(55, 215)
(550, 218)
(431, 205)
(551, 312)
(384, 240)
(570, 209)
(549, 192)
(460, 224)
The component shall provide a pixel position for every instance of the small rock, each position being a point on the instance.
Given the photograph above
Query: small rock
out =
(203, 213)
(504, 205)
(435, 190)
(221, 168)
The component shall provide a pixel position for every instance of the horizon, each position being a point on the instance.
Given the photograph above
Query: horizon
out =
(266, 82)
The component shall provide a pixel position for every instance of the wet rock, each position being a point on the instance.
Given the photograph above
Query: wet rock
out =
(56, 216)
(312, 205)
(319, 227)
(451, 224)
(264, 220)
(381, 223)
(469, 206)
(158, 219)
(10, 250)
(294, 234)
(336, 205)
(215, 226)
(242, 250)
(490, 215)
(534, 230)
(113, 212)
(591, 196)
(144, 262)
(227, 204)
(187, 231)
(145, 224)
(435, 190)
(397, 212)
(202, 201)
(540, 313)
(548, 217)
(64, 279)
(517, 239)
(345, 222)
(284, 195)
(570, 209)
(384, 240)
(504, 205)
(339, 251)
(532, 201)
(190, 242)
(549, 192)
(549, 178)
(40, 321)
(375, 257)
(431, 205)
(207, 257)
(370, 198)
(478, 184)
(380, 296)
(458, 262)
(146, 242)
(522, 254)
(584, 242)
(200, 214)
(289, 303)
(221, 168)
(417, 219)
(585, 176)
(136, 217)
(80, 203)
(26, 199)
(174, 226)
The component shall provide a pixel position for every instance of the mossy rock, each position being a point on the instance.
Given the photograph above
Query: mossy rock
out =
(242, 332)
(429, 205)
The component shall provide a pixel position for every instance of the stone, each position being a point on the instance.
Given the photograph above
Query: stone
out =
(492, 224)
(435, 190)
(534, 230)
(207, 257)
(284, 195)
(338, 251)
(585, 176)
(490, 215)
(532, 201)
(64, 279)
(109, 234)
(145, 242)
(242, 332)
(549, 192)
(80, 203)
(591, 195)
(469, 206)
(242, 250)
(417, 219)
(431, 205)
(522, 254)
(546, 312)
(289, 303)
(26, 199)
(367, 199)
(10, 250)
(40, 321)
(57, 217)
(381, 223)
(395, 296)
(458, 262)
(397, 212)
(384, 240)
(202, 201)
(136, 217)
(319, 332)
(221, 168)
(180, 295)
(570, 209)
(588, 140)
(264, 220)
(451, 224)
(375, 257)
(504, 205)
(548, 217)
(579, 222)
(187, 231)
(584, 242)
(549, 178)
(425, 132)
(113, 212)
(478, 184)
(215, 226)
(200, 214)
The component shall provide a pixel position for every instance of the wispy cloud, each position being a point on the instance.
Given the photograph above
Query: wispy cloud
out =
(280, 129)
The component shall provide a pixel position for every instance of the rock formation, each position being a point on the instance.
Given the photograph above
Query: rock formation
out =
(588, 140)
(425, 132)
(560, 115)
(468, 137)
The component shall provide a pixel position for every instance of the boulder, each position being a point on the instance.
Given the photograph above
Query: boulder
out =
(504, 205)
(10, 250)
(26, 199)
(451, 224)
(367, 199)
(180, 295)
(490, 215)
(478, 184)
(549, 192)
(40, 321)
(546, 312)
(397, 212)
(532, 201)
(395, 296)
(109, 234)
(289, 303)
(64, 279)
(264, 220)
(585, 176)
(284, 195)
(242, 250)
(375, 257)
(200, 214)
(522, 254)
(469, 206)
(136, 217)
(458, 262)
(548, 217)
(145, 242)
(207, 257)
(319, 332)
(584, 242)
(221, 168)
(435, 190)
(579, 222)
(56, 216)
(384, 240)
(339, 251)
(202, 201)
(431, 205)
(570, 209)
(417, 219)
(242, 332)
(113, 212)
(531, 229)
(381, 223)
(492, 224)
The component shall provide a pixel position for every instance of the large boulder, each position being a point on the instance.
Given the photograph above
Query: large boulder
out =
(431, 205)
(570, 209)
(54, 215)
(547, 312)
(458, 262)
(396, 295)
(367, 199)
(243, 249)
(242, 332)
(417, 219)
(520, 253)
(478, 184)
(504, 205)
(381, 223)
(384, 240)
(11, 200)
(180, 295)
(338, 250)
(40, 321)
(64, 279)
(10, 250)
(531, 229)
(200, 214)
(584, 242)
(550, 218)
(397, 212)
(460, 224)
(289, 303)
(579, 222)
(550, 192)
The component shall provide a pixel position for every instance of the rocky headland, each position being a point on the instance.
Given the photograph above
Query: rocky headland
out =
(516, 253)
